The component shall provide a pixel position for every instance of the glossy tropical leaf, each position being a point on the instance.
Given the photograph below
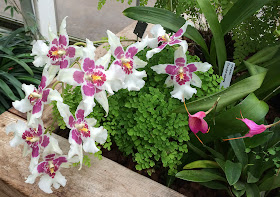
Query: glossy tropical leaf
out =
(168, 20)
(270, 183)
(212, 19)
(238, 146)
(264, 55)
(232, 171)
(239, 12)
(198, 176)
(214, 185)
(276, 134)
(20, 62)
(252, 190)
(227, 96)
(7, 90)
(201, 164)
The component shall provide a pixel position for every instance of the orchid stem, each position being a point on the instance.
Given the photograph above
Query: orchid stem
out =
(215, 104)
(234, 138)
(186, 106)
(271, 93)
(198, 138)
(57, 82)
(273, 124)
(76, 61)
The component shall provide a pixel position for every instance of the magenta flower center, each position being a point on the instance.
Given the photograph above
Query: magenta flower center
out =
(181, 77)
(34, 96)
(164, 38)
(83, 129)
(127, 65)
(56, 52)
(51, 169)
(98, 78)
(30, 136)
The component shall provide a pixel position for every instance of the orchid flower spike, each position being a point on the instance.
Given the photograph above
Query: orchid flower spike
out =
(254, 129)
(196, 121)
(181, 75)
(49, 168)
(161, 36)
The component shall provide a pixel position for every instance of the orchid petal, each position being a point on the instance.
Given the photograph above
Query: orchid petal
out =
(203, 67)
(115, 77)
(150, 53)
(60, 179)
(52, 147)
(64, 112)
(91, 121)
(169, 81)
(180, 53)
(183, 91)
(114, 42)
(31, 178)
(89, 50)
(23, 105)
(100, 134)
(51, 36)
(152, 42)
(134, 81)
(71, 76)
(196, 81)
(104, 60)
(33, 163)
(52, 71)
(160, 69)
(182, 30)
(157, 30)
(28, 89)
(45, 184)
(101, 98)
(62, 30)
(133, 49)
(54, 95)
(139, 63)
(89, 145)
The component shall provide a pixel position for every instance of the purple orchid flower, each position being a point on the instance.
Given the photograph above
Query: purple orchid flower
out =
(128, 62)
(34, 140)
(82, 133)
(254, 128)
(181, 75)
(36, 98)
(49, 168)
(160, 36)
(197, 122)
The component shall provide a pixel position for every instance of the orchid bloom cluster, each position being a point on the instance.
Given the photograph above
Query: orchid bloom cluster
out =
(77, 66)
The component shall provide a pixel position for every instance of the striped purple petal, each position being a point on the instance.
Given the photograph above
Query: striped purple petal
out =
(35, 151)
(42, 84)
(64, 63)
(191, 67)
(45, 141)
(80, 114)
(179, 33)
(71, 121)
(174, 42)
(162, 46)
(42, 166)
(131, 52)
(180, 61)
(58, 161)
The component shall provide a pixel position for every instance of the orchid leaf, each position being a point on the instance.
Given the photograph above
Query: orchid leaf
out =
(252, 190)
(212, 19)
(270, 183)
(214, 185)
(201, 164)
(198, 176)
(238, 146)
(168, 20)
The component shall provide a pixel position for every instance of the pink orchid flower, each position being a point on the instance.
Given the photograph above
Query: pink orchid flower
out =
(94, 79)
(36, 98)
(33, 139)
(128, 62)
(161, 36)
(57, 54)
(49, 168)
(181, 75)
(254, 129)
(82, 133)
(196, 121)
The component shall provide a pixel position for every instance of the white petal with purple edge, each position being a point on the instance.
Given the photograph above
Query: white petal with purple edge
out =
(160, 69)
(64, 112)
(45, 184)
(89, 102)
(180, 53)
(183, 29)
(134, 81)
(114, 42)
(157, 30)
(28, 89)
(139, 63)
(203, 67)
(196, 81)
(67, 76)
(89, 50)
(26, 150)
(183, 91)
(89, 145)
(139, 45)
(52, 35)
(104, 60)
(101, 98)
(75, 149)
(52, 147)
(100, 135)
(23, 106)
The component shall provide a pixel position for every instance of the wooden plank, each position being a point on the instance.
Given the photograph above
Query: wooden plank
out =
(103, 178)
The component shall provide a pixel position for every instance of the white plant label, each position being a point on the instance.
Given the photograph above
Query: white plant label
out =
(227, 74)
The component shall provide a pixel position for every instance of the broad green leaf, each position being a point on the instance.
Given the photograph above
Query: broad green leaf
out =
(270, 183)
(238, 193)
(201, 164)
(221, 163)
(239, 12)
(264, 55)
(168, 20)
(275, 139)
(254, 69)
(239, 185)
(238, 146)
(7, 90)
(30, 79)
(232, 171)
(214, 153)
(198, 176)
(23, 64)
(259, 139)
(252, 190)
(4, 102)
(214, 185)
(197, 151)
(212, 19)
(229, 95)
(251, 178)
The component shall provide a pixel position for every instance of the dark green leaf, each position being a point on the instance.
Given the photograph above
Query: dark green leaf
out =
(6, 89)
(264, 55)
(270, 183)
(20, 62)
(201, 164)
(214, 185)
(252, 190)
(215, 153)
(232, 171)
(238, 193)
(221, 163)
(238, 147)
(197, 151)
(198, 176)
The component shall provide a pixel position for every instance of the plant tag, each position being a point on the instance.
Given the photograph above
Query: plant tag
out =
(140, 29)
(227, 74)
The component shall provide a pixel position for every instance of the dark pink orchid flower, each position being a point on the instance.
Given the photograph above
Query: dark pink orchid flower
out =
(197, 122)
(254, 128)
(160, 36)
(49, 168)
(36, 98)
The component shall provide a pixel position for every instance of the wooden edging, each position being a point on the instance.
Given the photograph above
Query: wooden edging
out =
(103, 178)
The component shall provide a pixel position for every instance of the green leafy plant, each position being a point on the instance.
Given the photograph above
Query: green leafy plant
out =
(15, 66)
(244, 166)
(142, 123)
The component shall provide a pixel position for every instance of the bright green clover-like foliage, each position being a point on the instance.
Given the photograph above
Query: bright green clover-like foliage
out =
(256, 32)
(142, 123)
